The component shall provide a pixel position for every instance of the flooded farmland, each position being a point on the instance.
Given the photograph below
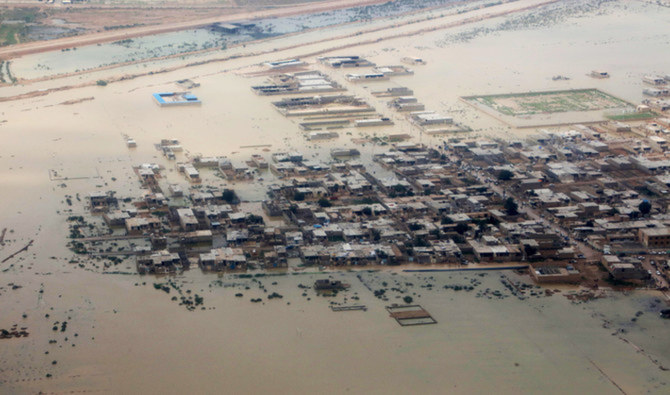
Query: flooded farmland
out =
(122, 327)
(73, 60)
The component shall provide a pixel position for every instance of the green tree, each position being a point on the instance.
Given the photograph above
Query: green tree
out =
(446, 221)
(511, 207)
(323, 202)
(458, 239)
(255, 219)
(505, 175)
(530, 250)
(229, 195)
(414, 226)
(462, 228)
(644, 207)
(421, 242)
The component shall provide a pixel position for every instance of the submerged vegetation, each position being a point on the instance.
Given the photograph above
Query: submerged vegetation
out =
(13, 22)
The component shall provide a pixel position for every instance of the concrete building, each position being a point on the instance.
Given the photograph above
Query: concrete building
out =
(554, 274)
(141, 225)
(223, 258)
(621, 270)
(187, 219)
(654, 237)
(159, 262)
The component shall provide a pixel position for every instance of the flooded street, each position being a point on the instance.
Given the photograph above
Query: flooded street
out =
(125, 336)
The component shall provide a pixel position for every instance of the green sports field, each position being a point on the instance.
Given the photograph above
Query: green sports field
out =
(549, 102)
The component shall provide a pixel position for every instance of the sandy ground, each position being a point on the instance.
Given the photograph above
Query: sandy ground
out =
(132, 338)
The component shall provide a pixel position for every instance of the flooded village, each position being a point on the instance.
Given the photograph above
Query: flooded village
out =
(386, 200)
(565, 203)
(568, 203)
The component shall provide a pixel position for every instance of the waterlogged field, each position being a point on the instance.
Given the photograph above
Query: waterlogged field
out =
(74, 60)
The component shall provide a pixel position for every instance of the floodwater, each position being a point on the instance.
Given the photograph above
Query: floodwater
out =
(132, 338)
(127, 332)
(93, 56)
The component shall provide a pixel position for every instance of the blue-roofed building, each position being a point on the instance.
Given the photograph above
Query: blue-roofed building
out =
(175, 99)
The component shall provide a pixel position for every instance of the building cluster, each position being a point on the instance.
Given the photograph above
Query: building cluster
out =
(319, 105)
(658, 85)
(600, 189)
(304, 82)
(657, 89)
(562, 201)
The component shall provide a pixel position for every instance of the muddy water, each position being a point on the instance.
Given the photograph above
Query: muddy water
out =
(479, 344)
(133, 338)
